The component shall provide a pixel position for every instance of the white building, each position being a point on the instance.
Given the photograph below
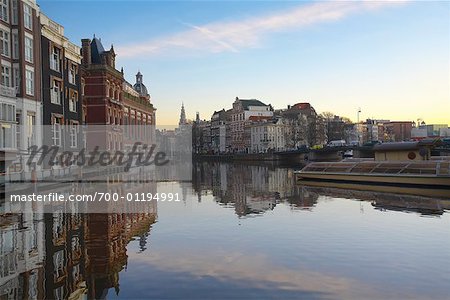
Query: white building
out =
(243, 110)
(444, 132)
(22, 249)
(20, 92)
(269, 135)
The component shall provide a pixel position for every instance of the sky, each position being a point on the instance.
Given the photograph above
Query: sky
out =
(389, 58)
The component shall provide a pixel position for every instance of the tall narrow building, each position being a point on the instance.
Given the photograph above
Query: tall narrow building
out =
(61, 86)
(20, 92)
(103, 86)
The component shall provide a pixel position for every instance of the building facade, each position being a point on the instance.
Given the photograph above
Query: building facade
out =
(269, 136)
(61, 87)
(20, 93)
(242, 110)
(398, 131)
(138, 114)
(218, 131)
(307, 127)
(102, 95)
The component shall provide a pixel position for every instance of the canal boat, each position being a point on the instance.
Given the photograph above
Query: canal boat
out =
(395, 164)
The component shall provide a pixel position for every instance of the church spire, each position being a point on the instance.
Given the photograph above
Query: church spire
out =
(182, 116)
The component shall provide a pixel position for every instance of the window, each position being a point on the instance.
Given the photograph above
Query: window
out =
(31, 123)
(28, 49)
(56, 131)
(73, 101)
(33, 285)
(55, 92)
(6, 76)
(3, 136)
(58, 263)
(4, 37)
(28, 16)
(4, 10)
(15, 13)
(7, 112)
(18, 129)
(54, 59)
(73, 136)
(29, 82)
(32, 239)
(76, 274)
(16, 77)
(72, 74)
(15, 45)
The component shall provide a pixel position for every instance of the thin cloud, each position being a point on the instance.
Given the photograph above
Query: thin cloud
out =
(232, 36)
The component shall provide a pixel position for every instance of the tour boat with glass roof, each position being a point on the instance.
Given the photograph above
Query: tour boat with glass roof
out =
(407, 163)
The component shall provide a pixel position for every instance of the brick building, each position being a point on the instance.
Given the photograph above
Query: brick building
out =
(102, 93)
(398, 131)
(108, 99)
(138, 113)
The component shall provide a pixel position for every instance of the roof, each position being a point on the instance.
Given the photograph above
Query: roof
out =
(303, 105)
(259, 118)
(402, 146)
(219, 111)
(139, 86)
(251, 102)
(141, 89)
(96, 51)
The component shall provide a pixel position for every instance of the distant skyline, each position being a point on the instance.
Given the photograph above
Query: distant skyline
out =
(391, 58)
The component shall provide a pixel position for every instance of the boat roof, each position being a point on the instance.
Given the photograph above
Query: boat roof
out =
(413, 145)
(397, 146)
(423, 168)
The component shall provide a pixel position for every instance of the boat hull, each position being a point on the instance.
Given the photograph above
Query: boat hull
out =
(385, 179)
(441, 193)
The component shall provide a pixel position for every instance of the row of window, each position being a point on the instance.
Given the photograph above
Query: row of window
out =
(113, 91)
(56, 95)
(27, 13)
(55, 65)
(7, 112)
(29, 79)
(7, 131)
(57, 132)
(5, 43)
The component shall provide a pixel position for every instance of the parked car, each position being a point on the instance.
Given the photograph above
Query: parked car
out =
(371, 143)
(337, 143)
(302, 147)
(317, 147)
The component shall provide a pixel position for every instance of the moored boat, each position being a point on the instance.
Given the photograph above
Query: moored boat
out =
(395, 164)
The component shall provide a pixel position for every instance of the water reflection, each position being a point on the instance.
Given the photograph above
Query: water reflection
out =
(256, 189)
(299, 247)
(60, 255)
(250, 189)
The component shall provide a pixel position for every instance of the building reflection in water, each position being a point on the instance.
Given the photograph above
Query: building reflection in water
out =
(70, 256)
(387, 201)
(255, 189)
(250, 189)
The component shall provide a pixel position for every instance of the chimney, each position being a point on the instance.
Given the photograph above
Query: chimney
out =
(86, 51)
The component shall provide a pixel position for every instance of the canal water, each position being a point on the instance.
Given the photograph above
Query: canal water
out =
(237, 232)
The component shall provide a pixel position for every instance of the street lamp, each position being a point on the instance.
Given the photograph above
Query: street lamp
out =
(357, 125)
